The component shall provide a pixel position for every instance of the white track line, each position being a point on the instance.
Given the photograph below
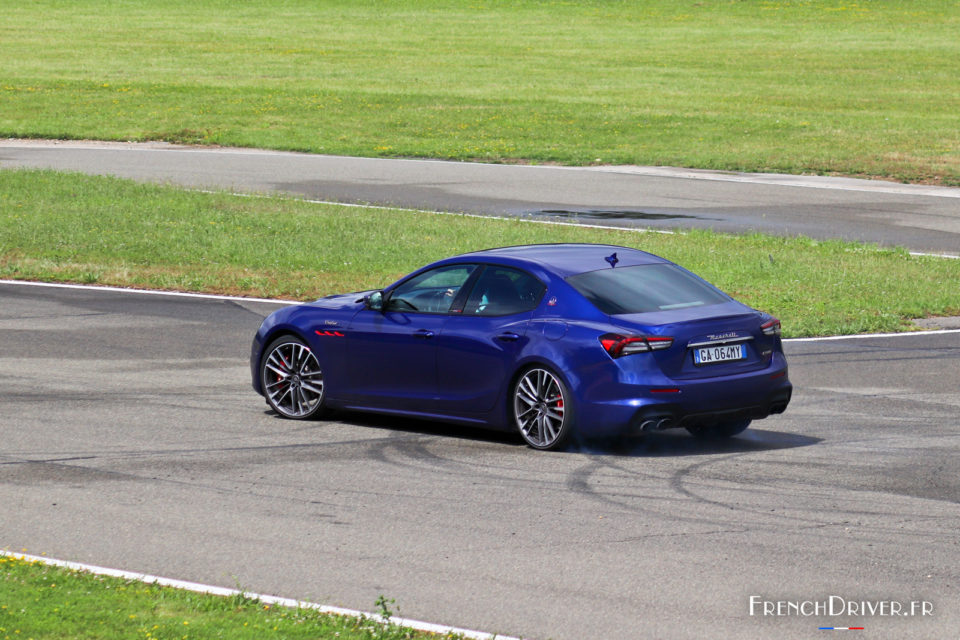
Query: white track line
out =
(776, 179)
(785, 180)
(817, 182)
(863, 336)
(934, 255)
(205, 296)
(521, 217)
(150, 292)
(484, 216)
(266, 599)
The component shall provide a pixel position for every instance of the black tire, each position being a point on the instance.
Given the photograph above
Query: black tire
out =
(541, 408)
(291, 379)
(720, 430)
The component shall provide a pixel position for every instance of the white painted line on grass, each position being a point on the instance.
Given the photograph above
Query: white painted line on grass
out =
(150, 292)
(484, 216)
(864, 336)
(934, 255)
(819, 182)
(521, 218)
(784, 180)
(266, 599)
(90, 287)
(774, 179)
(206, 296)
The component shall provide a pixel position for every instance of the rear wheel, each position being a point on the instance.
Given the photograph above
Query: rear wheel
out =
(541, 409)
(721, 429)
(291, 379)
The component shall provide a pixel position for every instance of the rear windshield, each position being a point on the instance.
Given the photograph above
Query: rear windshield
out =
(645, 288)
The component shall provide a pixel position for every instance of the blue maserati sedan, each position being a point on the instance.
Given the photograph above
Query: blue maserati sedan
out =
(553, 341)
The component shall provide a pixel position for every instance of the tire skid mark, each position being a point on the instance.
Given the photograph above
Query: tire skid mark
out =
(679, 482)
(578, 482)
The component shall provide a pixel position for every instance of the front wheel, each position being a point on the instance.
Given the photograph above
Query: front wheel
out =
(541, 409)
(291, 379)
(721, 429)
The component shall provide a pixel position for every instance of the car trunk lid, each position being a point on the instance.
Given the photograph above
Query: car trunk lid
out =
(722, 339)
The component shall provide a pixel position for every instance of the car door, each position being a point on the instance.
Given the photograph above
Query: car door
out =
(479, 346)
(392, 353)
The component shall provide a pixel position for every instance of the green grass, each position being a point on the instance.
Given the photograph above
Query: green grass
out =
(70, 227)
(39, 601)
(832, 86)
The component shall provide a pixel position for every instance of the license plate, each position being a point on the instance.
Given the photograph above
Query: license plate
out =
(726, 353)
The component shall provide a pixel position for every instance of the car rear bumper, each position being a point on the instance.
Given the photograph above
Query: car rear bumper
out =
(689, 403)
(667, 416)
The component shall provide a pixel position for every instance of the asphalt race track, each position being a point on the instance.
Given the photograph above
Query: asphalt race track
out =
(131, 439)
(921, 218)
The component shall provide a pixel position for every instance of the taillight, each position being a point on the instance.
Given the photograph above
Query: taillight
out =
(771, 327)
(617, 345)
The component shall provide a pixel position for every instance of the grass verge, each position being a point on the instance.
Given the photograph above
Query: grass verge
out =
(820, 86)
(98, 230)
(40, 601)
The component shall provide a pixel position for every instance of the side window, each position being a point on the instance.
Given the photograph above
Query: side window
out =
(502, 291)
(432, 291)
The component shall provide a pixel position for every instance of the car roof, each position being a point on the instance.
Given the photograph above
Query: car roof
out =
(566, 259)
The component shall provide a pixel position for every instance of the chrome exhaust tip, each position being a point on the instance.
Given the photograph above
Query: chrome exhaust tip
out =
(648, 425)
(657, 423)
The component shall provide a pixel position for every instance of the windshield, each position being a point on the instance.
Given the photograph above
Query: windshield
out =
(645, 288)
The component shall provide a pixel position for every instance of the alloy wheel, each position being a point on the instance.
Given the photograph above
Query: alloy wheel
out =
(540, 410)
(292, 380)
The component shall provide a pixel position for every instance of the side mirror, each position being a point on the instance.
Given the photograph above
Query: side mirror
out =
(374, 301)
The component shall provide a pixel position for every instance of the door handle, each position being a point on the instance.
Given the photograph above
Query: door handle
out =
(423, 333)
(508, 336)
